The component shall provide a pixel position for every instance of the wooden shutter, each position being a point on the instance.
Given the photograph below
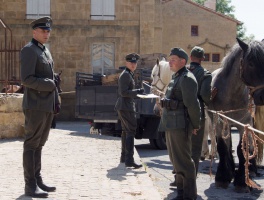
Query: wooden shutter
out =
(109, 10)
(103, 9)
(37, 8)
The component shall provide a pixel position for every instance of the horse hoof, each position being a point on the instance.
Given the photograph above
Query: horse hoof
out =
(219, 184)
(242, 189)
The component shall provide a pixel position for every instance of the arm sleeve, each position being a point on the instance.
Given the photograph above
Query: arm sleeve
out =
(189, 95)
(28, 76)
(123, 84)
(205, 90)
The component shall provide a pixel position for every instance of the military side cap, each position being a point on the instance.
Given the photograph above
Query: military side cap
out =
(179, 52)
(43, 23)
(132, 57)
(197, 52)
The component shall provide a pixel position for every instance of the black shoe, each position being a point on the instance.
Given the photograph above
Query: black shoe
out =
(46, 188)
(35, 192)
(135, 165)
(173, 184)
(122, 160)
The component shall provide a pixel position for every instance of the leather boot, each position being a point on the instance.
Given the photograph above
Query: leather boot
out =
(31, 188)
(174, 183)
(179, 184)
(123, 148)
(130, 152)
(190, 189)
(39, 180)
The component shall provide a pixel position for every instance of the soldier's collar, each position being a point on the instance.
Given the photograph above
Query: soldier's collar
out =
(130, 72)
(193, 65)
(38, 44)
(178, 73)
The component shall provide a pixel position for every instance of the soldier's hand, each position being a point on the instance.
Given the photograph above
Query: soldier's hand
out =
(140, 91)
(195, 131)
(213, 93)
(57, 108)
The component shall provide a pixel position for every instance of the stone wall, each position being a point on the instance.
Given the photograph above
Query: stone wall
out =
(11, 116)
(140, 26)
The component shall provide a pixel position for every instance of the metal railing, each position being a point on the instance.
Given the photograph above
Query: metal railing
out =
(9, 57)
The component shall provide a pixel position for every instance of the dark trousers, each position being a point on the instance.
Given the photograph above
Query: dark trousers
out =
(129, 126)
(37, 127)
(179, 148)
(197, 143)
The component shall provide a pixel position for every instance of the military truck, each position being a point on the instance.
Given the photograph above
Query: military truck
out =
(96, 98)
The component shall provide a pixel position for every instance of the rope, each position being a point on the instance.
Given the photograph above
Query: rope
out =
(248, 131)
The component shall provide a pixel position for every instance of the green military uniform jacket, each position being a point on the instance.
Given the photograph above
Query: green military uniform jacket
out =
(204, 79)
(126, 91)
(37, 76)
(183, 88)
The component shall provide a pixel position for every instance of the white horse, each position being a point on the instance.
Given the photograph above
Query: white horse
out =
(161, 76)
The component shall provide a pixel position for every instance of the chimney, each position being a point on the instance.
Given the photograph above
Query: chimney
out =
(210, 4)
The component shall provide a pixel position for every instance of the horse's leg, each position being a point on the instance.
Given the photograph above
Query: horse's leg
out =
(226, 166)
(205, 147)
(239, 180)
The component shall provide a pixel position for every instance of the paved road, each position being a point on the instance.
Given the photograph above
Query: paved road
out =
(160, 170)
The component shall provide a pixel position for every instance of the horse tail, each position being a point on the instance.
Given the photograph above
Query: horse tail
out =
(157, 61)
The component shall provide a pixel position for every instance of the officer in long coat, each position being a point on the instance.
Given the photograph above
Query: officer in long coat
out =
(125, 107)
(40, 102)
(181, 118)
(204, 79)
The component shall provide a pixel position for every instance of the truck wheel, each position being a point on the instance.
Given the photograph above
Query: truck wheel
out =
(161, 141)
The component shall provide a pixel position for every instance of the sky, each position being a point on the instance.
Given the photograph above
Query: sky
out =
(251, 12)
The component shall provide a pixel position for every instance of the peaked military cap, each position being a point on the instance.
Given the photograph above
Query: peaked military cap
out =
(179, 52)
(197, 52)
(43, 23)
(132, 57)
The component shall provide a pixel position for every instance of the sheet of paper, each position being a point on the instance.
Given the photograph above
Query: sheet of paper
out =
(147, 96)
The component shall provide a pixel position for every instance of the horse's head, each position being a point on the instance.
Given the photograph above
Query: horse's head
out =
(161, 75)
(252, 69)
(58, 81)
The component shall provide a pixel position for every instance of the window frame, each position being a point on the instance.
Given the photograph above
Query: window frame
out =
(194, 30)
(37, 8)
(207, 57)
(213, 57)
(102, 10)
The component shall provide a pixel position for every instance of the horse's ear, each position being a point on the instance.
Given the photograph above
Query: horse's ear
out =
(157, 62)
(242, 44)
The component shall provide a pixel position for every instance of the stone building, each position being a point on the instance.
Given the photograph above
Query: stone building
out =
(94, 35)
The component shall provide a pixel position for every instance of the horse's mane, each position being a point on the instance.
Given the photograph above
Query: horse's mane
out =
(255, 53)
(230, 58)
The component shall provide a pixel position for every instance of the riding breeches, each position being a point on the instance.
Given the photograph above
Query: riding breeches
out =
(128, 122)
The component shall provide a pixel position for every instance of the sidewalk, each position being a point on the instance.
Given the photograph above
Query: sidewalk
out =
(80, 165)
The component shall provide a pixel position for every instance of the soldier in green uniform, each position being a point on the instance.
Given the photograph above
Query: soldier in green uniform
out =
(181, 119)
(40, 102)
(126, 110)
(204, 79)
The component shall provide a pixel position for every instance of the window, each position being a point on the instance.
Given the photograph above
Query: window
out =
(103, 9)
(206, 57)
(215, 57)
(37, 8)
(194, 30)
(103, 57)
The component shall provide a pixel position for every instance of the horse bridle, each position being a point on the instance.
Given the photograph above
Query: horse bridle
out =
(159, 79)
(251, 88)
